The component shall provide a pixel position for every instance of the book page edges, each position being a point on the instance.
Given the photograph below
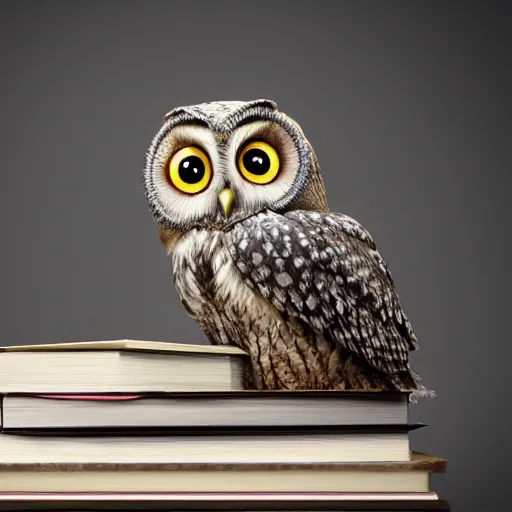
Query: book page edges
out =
(211, 481)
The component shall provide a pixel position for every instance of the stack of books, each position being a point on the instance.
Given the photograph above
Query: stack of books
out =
(153, 425)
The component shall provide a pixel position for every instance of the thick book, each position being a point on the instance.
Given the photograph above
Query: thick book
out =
(222, 446)
(120, 366)
(410, 476)
(208, 410)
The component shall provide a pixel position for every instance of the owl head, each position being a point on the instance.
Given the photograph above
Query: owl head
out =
(215, 164)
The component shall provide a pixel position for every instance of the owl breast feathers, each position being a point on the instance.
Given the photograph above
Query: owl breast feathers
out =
(260, 261)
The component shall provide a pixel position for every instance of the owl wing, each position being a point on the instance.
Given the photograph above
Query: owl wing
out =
(324, 268)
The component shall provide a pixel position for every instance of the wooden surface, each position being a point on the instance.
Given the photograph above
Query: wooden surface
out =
(418, 462)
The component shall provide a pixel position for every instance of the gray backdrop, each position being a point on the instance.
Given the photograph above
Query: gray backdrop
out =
(408, 107)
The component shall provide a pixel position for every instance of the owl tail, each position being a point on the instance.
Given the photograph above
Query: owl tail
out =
(421, 393)
(412, 381)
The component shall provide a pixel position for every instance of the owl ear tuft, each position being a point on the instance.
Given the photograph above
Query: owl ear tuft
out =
(174, 112)
(263, 103)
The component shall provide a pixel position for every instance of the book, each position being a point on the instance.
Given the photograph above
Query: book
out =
(223, 501)
(209, 410)
(120, 366)
(410, 476)
(219, 497)
(222, 446)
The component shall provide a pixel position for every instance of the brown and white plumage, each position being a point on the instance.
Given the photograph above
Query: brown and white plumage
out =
(302, 289)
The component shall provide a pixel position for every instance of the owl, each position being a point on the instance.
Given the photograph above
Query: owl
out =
(260, 261)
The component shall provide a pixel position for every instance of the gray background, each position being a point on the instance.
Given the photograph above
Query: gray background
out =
(408, 107)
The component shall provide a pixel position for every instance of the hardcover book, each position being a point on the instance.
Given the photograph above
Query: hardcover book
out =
(120, 366)
(410, 476)
(204, 409)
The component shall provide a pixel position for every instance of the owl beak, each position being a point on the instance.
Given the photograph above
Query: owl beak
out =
(227, 201)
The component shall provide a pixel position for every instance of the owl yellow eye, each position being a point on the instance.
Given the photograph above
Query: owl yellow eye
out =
(258, 162)
(190, 170)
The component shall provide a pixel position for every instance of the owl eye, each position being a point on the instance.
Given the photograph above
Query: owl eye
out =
(190, 170)
(258, 162)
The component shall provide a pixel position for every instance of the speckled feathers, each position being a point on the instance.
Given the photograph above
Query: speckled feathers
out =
(325, 270)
